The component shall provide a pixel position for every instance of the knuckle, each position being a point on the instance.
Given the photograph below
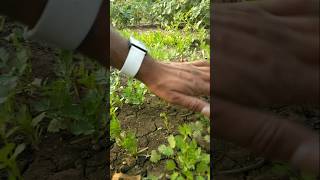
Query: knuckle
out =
(174, 98)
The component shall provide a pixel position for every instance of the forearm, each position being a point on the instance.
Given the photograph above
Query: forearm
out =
(94, 45)
(118, 53)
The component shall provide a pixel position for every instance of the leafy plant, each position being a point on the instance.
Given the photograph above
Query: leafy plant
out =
(126, 140)
(75, 101)
(185, 159)
(190, 14)
(8, 154)
(165, 119)
(134, 92)
(29, 126)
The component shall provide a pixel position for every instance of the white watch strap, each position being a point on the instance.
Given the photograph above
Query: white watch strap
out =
(133, 62)
(65, 23)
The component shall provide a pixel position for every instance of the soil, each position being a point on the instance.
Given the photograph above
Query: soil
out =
(151, 132)
(63, 156)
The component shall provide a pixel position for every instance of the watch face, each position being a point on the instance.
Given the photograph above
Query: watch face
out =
(138, 44)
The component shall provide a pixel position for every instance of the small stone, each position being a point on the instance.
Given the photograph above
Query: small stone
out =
(124, 168)
(141, 160)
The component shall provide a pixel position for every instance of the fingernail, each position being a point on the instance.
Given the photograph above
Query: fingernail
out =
(206, 111)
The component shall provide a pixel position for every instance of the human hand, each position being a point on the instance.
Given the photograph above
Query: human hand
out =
(266, 53)
(179, 83)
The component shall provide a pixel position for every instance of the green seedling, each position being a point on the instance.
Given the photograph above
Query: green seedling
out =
(29, 126)
(173, 45)
(8, 155)
(126, 140)
(134, 92)
(165, 119)
(184, 157)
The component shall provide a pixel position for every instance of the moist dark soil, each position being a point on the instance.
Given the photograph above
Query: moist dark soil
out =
(63, 156)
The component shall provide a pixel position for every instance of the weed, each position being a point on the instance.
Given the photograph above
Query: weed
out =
(133, 92)
(185, 159)
(8, 154)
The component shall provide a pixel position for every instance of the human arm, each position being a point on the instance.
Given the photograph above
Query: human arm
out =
(266, 53)
(177, 84)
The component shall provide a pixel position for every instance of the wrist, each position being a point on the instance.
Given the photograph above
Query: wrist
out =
(148, 70)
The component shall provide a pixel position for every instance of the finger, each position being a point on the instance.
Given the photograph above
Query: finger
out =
(290, 7)
(191, 103)
(265, 134)
(206, 111)
(200, 63)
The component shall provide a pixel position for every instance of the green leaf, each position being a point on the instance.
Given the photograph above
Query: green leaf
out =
(167, 151)
(155, 157)
(179, 142)
(188, 174)
(19, 149)
(11, 131)
(170, 165)
(172, 141)
(56, 125)
(130, 143)
(91, 102)
(202, 167)
(205, 158)
(38, 119)
(185, 130)
(115, 128)
(174, 176)
(5, 152)
(180, 178)
(200, 178)
(82, 127)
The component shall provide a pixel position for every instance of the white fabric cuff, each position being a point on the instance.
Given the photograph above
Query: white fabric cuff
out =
(65, 23)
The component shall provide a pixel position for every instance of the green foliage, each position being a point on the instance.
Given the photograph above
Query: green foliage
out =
(170, 165)
(130, 142)
(165, 119)
(133, 92)
(130, 12)
(172, 44)
(185, 158)
(155, 157)
(28, 125)
(75, 101)
(165, 150)
(8, 154)
(188, 14)
(126, 140)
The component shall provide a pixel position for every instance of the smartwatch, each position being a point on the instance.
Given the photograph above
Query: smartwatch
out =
(137, 52)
